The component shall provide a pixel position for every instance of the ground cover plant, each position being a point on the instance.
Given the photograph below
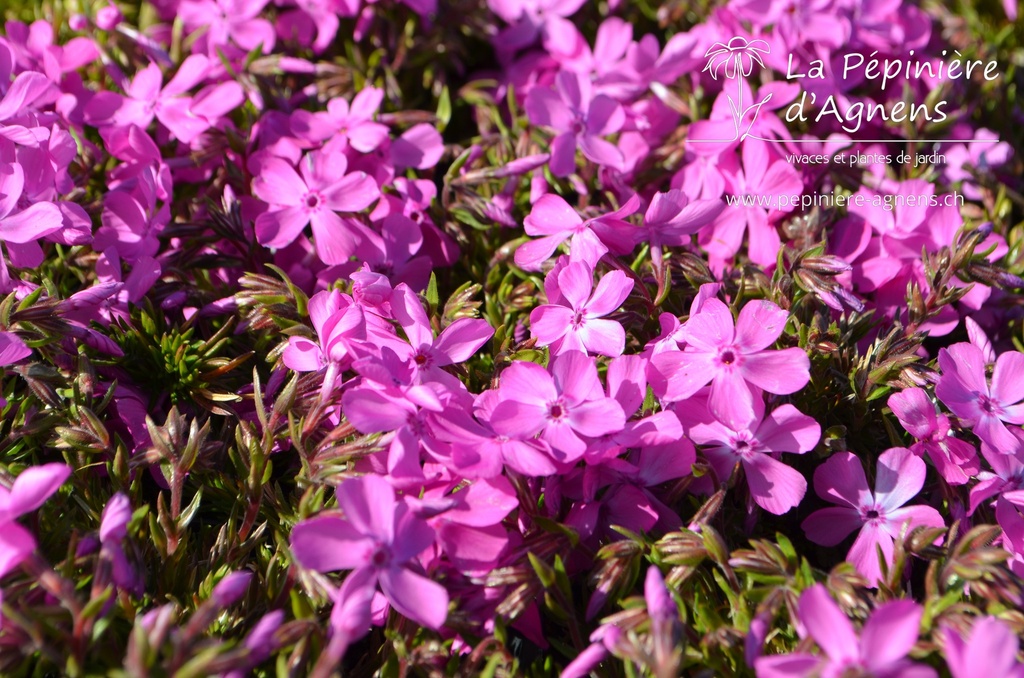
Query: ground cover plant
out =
(511, 338)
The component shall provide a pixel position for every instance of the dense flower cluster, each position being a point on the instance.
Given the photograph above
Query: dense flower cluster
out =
(406, 335)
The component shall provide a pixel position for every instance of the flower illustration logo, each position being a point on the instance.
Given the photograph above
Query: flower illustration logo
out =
(737, 58)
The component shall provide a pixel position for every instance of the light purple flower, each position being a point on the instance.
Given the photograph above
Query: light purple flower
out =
(986, 407)
(576, 322)
(561, 406)
(880, 651)
(580, 119)
(379, 538)
(734, 357)
(989, 650)
(880, 515)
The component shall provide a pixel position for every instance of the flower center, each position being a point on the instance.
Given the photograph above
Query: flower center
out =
(556, 410)
(381, 556)
(421, 359)
(987, 405)
(872, 515)
(577, 320)
(312, 201)
(728, 356)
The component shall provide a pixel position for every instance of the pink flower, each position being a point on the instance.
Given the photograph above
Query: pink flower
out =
(880, 651)
(314, 198)
(185, 116)
(556, 221)
(761, 176)
(353, 123)
(379, 538)
(561, 406)
(987, 408)
(28, 493)
(734, 358)
(880, 515)
(224, 21)
(955, 459)
(12, 348)
(989, 650)
(774, 486)
(580, 119)
(575, 322)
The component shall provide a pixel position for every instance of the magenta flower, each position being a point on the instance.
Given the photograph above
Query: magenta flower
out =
(186, 117)
(455, 344)
(990, 650)
(987, 408)
(339, 326)
(556, 221)
(313, 198)
(880, 651)
(880, 515)
(672, 218)
(576, 321)
(225, 21)
(955, 459)
(774, 486)
(763, 176)
(561, 406)
(580, 119)
(734, 358)
(379, 538)
(30, 490)
(12, 348)
(354, 124)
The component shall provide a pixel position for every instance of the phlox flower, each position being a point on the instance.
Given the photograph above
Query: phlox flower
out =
(340, 328)
(580, 119)
(556, 221)
(221, 22)
(732, 356)
(29, 491)
(379, 538)
(985, 406)
(955, 459)
(323, 189)
(147, 97)
(353, 123)
(880, 651)
(989, 650)
(560, 406)
(880, 515)
(774, 486)
(761, 174)
(576, 321)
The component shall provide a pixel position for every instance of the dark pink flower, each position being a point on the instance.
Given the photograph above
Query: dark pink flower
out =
(379, 538)
(734, 357)
(576, 322)
(955, 459)
(315, 197)
(580, 119)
